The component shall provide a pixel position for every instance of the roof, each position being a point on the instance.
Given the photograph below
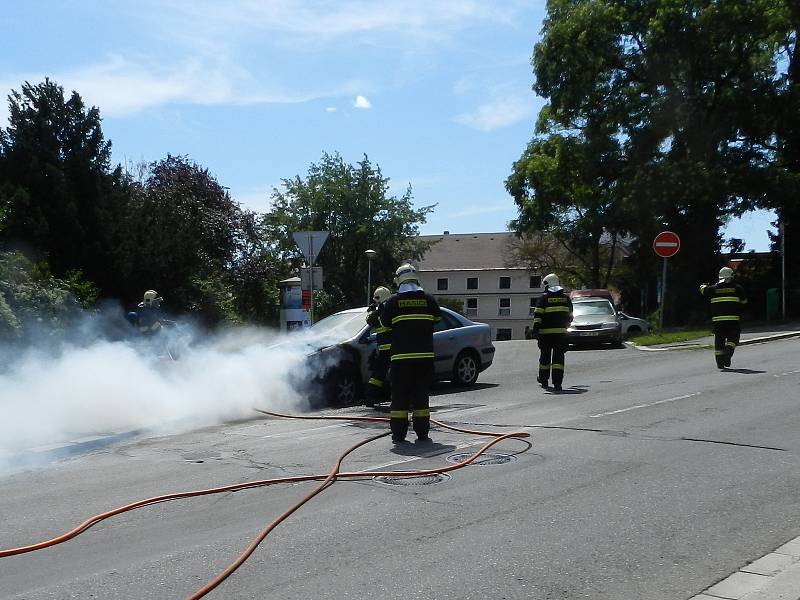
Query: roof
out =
(452, 251)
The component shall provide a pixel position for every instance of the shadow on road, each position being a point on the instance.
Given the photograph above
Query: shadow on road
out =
(575, 389)
(586, 347)
(421, 448)
(744, 371)
(442, 389)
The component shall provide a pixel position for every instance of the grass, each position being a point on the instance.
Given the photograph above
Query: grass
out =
(669, 336)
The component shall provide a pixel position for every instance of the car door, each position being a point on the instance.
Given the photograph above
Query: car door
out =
(445, 344)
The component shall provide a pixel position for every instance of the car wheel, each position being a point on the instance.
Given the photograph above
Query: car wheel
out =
(466, 369)
(343, 387)
(634, 329)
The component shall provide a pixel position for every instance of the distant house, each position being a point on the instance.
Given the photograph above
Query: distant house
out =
(480, 270)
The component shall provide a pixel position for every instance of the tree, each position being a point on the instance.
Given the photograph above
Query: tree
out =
(351, 203)
(186, 238)
(565, 189)
(684, 87)
(786, 167)
(64, 200)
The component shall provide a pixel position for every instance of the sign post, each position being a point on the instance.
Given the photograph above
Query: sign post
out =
(310, 243)
(666, 244)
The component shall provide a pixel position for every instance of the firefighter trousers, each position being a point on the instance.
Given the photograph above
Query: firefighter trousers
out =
(552, 349)
(378, 384)
(411, 380)
(726, 338)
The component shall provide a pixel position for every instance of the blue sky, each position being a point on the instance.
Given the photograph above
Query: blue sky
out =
(436, 93)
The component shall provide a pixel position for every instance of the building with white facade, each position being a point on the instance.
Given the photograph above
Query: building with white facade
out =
(480, 270)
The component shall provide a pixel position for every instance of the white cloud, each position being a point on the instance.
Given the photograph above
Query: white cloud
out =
(326, 20)
(362, 102)
(498, 113)
(120, 87)
(330, 109)
(203, 52)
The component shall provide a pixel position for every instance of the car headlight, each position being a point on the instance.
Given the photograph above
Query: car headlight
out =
(611, 324)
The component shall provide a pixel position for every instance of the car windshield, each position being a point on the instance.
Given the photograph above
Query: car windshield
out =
(341, 325)
(596, 307)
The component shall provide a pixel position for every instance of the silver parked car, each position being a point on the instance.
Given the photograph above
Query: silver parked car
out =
(632, 325)
(462, 349)
(594, 321)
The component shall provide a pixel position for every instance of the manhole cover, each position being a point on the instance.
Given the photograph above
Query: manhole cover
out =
(486, 458)
(414, 480)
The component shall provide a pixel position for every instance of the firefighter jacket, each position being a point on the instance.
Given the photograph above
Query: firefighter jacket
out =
(148, 320)
(411, 316)
(553, 313)
(383, 334)
(725, 299)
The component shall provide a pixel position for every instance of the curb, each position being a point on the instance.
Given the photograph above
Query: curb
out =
(699, 345)
(774, 576)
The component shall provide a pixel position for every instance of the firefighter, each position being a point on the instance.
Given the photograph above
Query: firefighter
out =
(379, 361)
(725, 299)
(551, 317)
(149, 319)
(411, 314)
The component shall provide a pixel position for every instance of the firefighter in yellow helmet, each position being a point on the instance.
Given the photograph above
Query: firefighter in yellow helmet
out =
(411, 314)
(551, 317)
(726, 299)
(379, 361)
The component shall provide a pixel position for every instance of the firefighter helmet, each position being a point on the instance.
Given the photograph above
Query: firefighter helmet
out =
(380, 294)
(405, 272)
(151, 298)
(550, 280)
(726, 274)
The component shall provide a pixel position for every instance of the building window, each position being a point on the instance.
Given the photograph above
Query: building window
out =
(472, 283)
(441, 284)
(472, 307)
(536, 281)
(505, 283)
(503, 334)
(505, 307)
(532, 308)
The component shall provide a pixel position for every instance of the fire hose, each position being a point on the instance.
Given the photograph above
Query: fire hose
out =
(326, 481)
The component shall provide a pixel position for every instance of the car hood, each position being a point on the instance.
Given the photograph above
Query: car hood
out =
(592, 319)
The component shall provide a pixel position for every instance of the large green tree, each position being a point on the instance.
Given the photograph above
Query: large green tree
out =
(684, 86)
(64, 200)
(565, 185)
(785, 198)
(351, 202)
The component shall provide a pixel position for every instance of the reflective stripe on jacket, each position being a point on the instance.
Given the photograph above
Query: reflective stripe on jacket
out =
(411, 317)
(725, 300)
(553, 313)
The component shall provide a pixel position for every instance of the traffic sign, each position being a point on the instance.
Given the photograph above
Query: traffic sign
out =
(666, 244)
(310, 243)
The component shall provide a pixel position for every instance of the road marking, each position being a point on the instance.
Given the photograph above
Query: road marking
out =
(300, 432)
(786, 373)
(622, 410)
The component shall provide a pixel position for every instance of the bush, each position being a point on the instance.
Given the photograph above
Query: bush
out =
(33, 300)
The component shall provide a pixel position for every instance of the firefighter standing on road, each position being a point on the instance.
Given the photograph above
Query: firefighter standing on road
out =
(726, 299)
(411, 314)
(551, 317)
(379, 361)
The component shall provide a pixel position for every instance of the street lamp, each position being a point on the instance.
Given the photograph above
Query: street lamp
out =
(370, 255)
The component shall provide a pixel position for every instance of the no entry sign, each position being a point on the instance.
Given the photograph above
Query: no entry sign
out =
(666, 244)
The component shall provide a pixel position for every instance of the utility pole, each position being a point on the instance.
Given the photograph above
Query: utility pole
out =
(782, 230)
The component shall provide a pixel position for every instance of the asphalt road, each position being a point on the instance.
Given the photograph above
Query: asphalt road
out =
(652, 476)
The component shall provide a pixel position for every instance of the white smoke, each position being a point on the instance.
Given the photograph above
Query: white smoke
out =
(177, 381)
